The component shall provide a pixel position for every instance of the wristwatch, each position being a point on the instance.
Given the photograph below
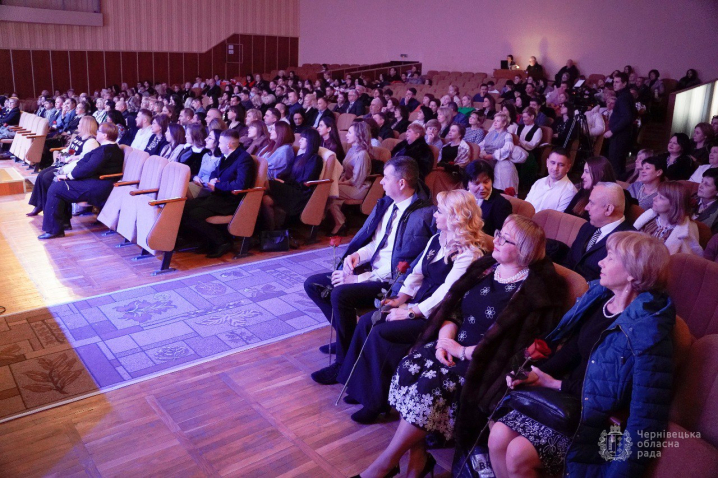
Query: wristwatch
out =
(411, 315)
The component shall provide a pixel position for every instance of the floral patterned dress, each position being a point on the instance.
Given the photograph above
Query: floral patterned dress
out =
(426, 392)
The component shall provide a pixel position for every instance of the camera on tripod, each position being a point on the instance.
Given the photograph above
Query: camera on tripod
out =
(580, 98)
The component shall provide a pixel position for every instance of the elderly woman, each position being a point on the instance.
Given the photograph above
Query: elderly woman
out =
(678, 160)
(697, 177)
(432, 137)
(447, 255)
(706, 200)
(83, 143)
(668, 219)
(615, 353)
(494, 207)
(498, 146)
(475, 132)
(651, 174)
(595, 170)
(353, 182)
(488, 317)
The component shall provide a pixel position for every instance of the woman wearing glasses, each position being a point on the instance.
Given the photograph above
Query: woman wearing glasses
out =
(494, 311)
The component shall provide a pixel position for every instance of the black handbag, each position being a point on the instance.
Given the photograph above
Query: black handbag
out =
(274, 241)
(555, 409)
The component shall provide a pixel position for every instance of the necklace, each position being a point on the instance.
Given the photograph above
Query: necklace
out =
(605, 309)
(520, 275)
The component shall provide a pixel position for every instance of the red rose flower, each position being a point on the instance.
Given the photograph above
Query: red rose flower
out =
(402, 267)
(538, 350)
(510, 191)
(335, 241)
(71, 152)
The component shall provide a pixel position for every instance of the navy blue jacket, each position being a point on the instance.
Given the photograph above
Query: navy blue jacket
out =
(11, 118)
(586, 263)
(236, 171)
(630, 367)
(624, 112)
(414, 230)
(494, 211)
(107, 159)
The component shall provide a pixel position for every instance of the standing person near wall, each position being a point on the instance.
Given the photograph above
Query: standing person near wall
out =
(620, 124)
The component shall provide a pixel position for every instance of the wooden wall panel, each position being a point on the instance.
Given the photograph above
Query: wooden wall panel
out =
(129, 68)
(145, 69)
(270, 54)
(258, 48)
(22, 73)
(283, 53)
(60, 70)
(42, 71)
(205, 64)
(176, 73)
(191, 66)
(6, 78)
(161, 64)
(245, 61)
(96, 70)
(113, 68)
(294, 51)
(219, 60)
(78, 71)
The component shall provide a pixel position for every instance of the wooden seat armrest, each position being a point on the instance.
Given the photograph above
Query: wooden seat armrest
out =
(16, 128)
(143, 191)
(250, 190)
(125, 183)
(374, 176)
(116, 175)
(317, 182)
(52, 150)
(166, 201)
(35, 136)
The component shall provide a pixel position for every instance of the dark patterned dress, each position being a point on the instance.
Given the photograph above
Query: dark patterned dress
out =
(426, 392)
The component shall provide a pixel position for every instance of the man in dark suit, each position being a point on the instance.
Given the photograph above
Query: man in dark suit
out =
(620, 125)
(494, 207)
(605, 207)
(9, 117)
(397, 230)
(236, 171)
(293, 105)
(409, 100)
(415, 147)
(322, 111)
(356, 107)
(83, 183)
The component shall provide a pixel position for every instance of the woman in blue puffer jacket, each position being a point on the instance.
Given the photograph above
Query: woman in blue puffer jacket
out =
(615, 356)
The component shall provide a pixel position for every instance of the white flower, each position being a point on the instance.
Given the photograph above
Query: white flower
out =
(444, 370)
(471, 319)
(461, 380)
(417, 355)
(414, 369)
(429, 374)
(428, 363)
(462, 335)
(490, 312)
(485, 290)
(449, 385)
(436, 392)
(510, 287)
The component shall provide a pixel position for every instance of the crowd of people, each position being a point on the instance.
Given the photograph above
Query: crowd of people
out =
(452, 286)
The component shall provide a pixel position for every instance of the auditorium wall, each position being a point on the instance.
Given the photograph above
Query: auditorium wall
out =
(150, 39)
(474, 35)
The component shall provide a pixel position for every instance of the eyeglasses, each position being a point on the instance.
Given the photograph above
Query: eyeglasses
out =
(501, 239)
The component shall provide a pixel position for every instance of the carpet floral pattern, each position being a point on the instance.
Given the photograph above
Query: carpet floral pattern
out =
(65, 352)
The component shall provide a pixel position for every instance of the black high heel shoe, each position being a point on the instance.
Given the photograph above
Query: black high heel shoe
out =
(395, 471)
(429, 466)
(34, 212)
(342, 231)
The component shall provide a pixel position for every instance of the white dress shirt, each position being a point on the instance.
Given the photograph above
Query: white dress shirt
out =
(608, 228)
(142, 138)
(414, 280)
(381, 267)
(556, 196)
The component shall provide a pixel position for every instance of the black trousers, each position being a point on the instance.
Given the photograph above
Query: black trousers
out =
(194, 219)
(42, 184)
(386, 344)
(619, 145)
(62, 194)
(343, 301)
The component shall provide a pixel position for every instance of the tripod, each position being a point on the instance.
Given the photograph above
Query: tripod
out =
(585, 141)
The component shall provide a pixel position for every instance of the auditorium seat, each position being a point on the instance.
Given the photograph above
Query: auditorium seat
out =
(559, 225)
(158, 220)
(147, 188)
(242, 222)
(633, 212)
(577, 285)
(690, 185)
(390, 143)
(131, 173)
(704, 233)
(693, 286)
(313, 212)
(520, 207)
(379, 153)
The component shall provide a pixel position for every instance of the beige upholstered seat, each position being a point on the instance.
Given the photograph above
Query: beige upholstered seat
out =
(558, 225)
(132, 170)
(380, 154)
(345, 121)
(693, 286)
(313, 212)
(390, 143)
(577, 285)
(148, 188)
(158, 220)
(521, 207)
(242, 222)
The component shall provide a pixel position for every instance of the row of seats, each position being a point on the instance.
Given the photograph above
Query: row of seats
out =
(29, 139)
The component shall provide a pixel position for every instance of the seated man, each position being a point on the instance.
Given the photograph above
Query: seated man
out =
(415, 147)
(605, 207)
(494, 207)
(236, 171)
(83, 183)
(144, 129)
(555, 191)
(9, 117)
(397, 230)
(409, 100)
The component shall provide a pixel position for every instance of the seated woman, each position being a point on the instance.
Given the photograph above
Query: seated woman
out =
(703, 137)
(595, 170)
(466, 105)
(353, 182)
(652, 173)
(706, 200)
(115, 117)
(492, 312)
(432, 137)
(251, 116)
(510, 111)
(562, 125)
(697, 176)
(494, 207)
(401, 119)
(235, 119)
(175, 142)
(279, 152)
(193, 154)
(423, 115)
(445, 117)
(668, 219)
(475, 132)
(678, 160)
(632, 176)
(298, 122)
(329, 133)
(498, 146)
(447, 255)
(257, 136)
(290, 194)
(489, 107)
(691, 79)
(616, 353)
(83, 143)
(157, 140)
(210, 161)
(342, 104)
(453, 158)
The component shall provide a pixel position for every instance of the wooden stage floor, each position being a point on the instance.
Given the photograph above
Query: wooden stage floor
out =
(254, 413)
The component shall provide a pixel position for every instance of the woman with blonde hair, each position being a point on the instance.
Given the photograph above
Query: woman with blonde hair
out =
(353, 182)
(459, 242)
(458, 365)
(668, 219)
(444, 115)
(82, 143)
(498, 146)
